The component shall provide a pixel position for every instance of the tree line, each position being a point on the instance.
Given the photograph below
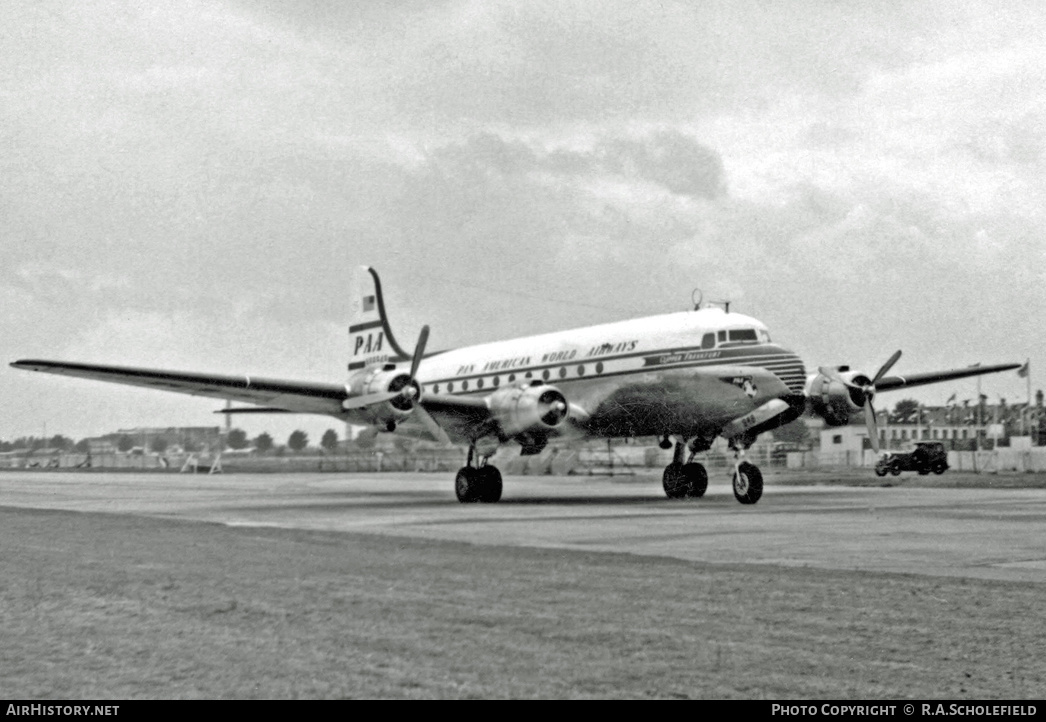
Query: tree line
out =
(236, 439)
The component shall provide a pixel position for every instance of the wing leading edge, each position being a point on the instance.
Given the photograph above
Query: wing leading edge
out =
(459, 415)
(279, 394)
(888, 383)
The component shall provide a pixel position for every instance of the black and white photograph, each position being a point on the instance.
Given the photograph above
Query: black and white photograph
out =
(523, 350)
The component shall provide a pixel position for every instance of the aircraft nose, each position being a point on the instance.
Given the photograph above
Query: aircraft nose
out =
(792, 372)
(771, 387)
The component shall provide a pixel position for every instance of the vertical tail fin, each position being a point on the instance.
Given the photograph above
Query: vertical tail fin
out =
(370, 338)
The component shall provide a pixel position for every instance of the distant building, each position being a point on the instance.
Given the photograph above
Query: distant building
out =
(958, 427)
(102, 445)
(176, 437)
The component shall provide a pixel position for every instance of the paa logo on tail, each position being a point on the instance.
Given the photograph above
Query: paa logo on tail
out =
(370, 340)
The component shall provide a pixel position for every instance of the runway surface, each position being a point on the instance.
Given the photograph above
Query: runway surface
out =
(983, 533)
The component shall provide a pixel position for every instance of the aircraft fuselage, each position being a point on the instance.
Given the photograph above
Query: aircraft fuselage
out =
(606, 367)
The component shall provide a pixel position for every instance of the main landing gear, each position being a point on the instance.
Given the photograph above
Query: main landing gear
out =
(683, 481)
(478, 483)
(690, 480)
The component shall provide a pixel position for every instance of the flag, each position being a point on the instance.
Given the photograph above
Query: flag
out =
(368, 303)
(950, 399)
(1023, 370)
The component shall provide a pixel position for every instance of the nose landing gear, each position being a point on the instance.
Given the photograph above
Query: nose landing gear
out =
(748, 480)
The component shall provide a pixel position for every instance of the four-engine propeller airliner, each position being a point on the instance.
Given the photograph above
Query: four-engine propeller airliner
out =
(686, 377)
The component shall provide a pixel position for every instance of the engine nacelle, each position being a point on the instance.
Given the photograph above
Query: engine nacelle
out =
(383, 379)
(833, 401)
(533, 411)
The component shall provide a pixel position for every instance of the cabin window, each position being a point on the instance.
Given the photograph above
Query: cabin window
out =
(544, 374)
(464, 385)
(562, 372)
(479, 384)
(581, 370)
(708, 340)
(495, 381)
(511, 378)
(435, 389)
(450, 387)
(599, 367)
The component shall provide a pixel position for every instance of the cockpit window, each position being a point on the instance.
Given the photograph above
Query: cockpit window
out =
(745, 335)
(708, 340)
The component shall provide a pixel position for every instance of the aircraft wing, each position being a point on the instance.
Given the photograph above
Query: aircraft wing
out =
(459, 417)
(278, 394)
(888, 383)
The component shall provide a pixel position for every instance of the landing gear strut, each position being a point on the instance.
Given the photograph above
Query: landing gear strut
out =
(682, 481)
(477, 483)
(748, 480)
(690, 480)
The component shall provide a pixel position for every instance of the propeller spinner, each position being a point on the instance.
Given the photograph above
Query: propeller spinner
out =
(405, 392)
(863, 393)
(412, 388)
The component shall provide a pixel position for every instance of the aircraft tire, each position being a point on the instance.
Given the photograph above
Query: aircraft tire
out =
(674, 481)
(467, 485)
(696, 479)
(748, 483)
(489, 484)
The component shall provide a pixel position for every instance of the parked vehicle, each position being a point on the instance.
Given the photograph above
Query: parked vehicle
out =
(927, 456)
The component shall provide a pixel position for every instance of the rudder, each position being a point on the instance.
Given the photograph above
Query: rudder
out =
(370, 338)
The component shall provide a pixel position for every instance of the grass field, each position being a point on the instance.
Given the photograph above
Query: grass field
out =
(109, 606)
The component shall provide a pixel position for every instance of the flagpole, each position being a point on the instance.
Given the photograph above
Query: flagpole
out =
(1027, 409)
(980, 405)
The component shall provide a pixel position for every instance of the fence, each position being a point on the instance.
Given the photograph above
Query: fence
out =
(1000, 459)
(595, 458)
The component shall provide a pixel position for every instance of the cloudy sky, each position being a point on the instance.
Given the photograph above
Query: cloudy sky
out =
(189, 185)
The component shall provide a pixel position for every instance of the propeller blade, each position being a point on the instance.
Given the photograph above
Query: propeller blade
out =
(419, 351)
(431, 425)
(887, 366)
(869, 420)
